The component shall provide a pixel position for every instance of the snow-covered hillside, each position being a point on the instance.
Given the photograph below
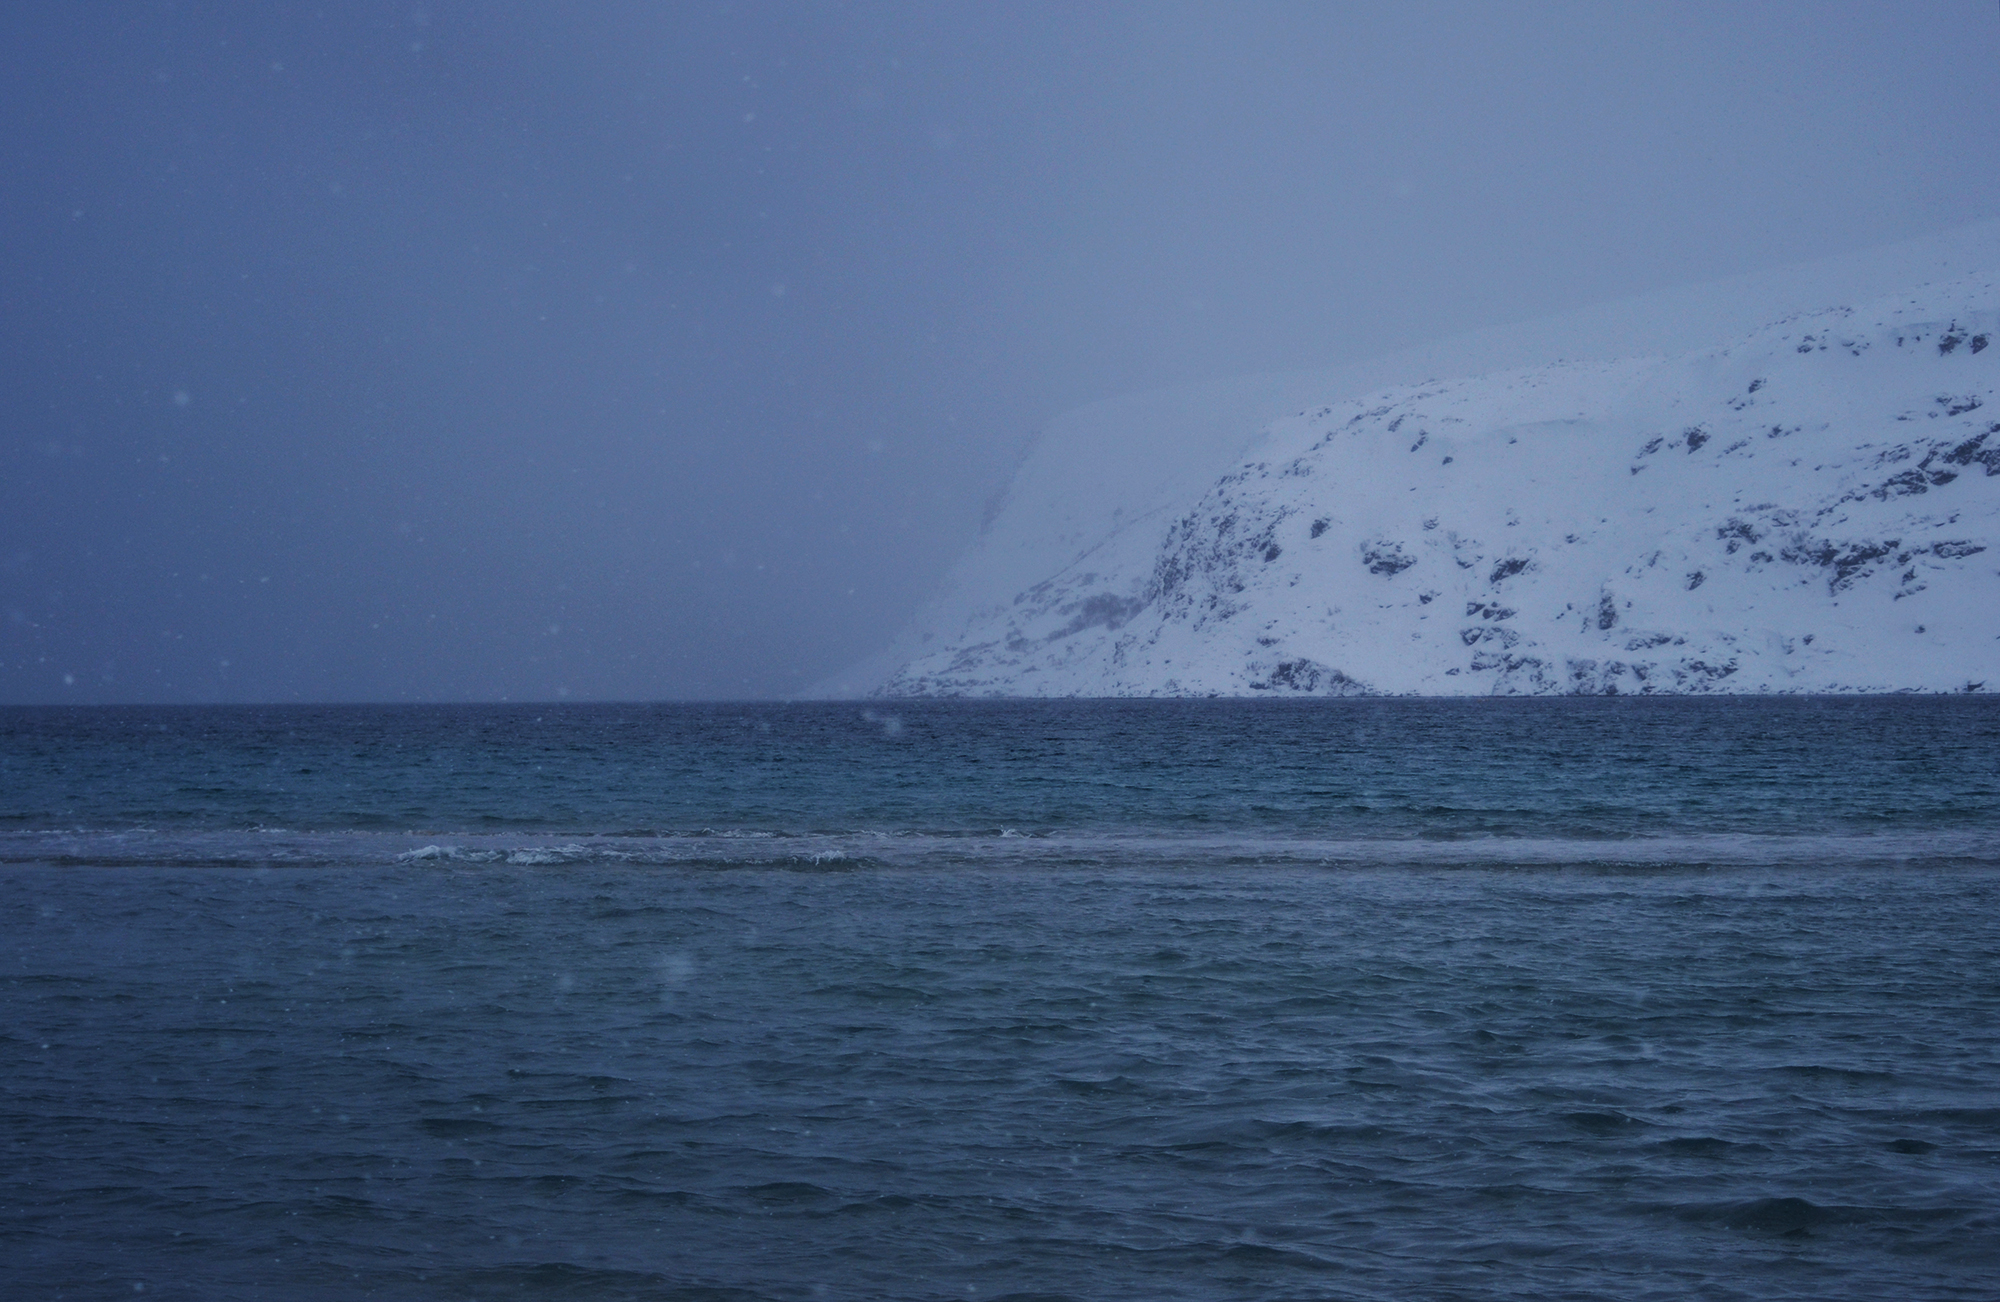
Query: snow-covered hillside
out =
(1810, 508)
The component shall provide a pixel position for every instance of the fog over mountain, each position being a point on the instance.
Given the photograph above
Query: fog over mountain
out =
(1813, 507)
(443, 351)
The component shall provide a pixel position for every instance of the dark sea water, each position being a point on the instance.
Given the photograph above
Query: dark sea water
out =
(1147, 1000)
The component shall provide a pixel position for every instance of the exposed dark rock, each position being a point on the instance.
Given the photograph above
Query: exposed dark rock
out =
(1909, 483)
(1386, 558)
(1309, 676)
(1849, 564)
(1594, 678)
(1975, 452)
(1103, 608)
(1519, 675)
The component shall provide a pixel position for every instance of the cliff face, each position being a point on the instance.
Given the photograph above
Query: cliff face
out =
(1812, 509)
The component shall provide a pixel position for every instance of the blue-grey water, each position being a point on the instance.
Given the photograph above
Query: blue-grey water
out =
(1144, 1000)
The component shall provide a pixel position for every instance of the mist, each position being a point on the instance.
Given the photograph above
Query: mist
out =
(454, 351)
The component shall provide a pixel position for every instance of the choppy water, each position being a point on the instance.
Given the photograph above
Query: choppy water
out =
(1572, 999)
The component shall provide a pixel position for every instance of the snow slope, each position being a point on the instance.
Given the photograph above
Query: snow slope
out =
(1809, 508)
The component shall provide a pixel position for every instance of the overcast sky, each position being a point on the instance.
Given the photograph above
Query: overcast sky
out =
(618, 350)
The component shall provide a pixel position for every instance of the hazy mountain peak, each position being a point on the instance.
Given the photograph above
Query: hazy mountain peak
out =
(1811, 507)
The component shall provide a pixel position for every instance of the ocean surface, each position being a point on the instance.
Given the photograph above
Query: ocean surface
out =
(1583, 998)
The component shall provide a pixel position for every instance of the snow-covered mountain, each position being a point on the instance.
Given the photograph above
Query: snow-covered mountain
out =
(1811, 508)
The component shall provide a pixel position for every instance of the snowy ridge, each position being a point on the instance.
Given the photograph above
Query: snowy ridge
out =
(1810, 509)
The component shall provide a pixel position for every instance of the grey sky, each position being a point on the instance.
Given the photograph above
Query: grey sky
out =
(625, 350)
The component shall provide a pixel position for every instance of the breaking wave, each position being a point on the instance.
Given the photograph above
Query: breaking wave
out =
(1000, 848)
